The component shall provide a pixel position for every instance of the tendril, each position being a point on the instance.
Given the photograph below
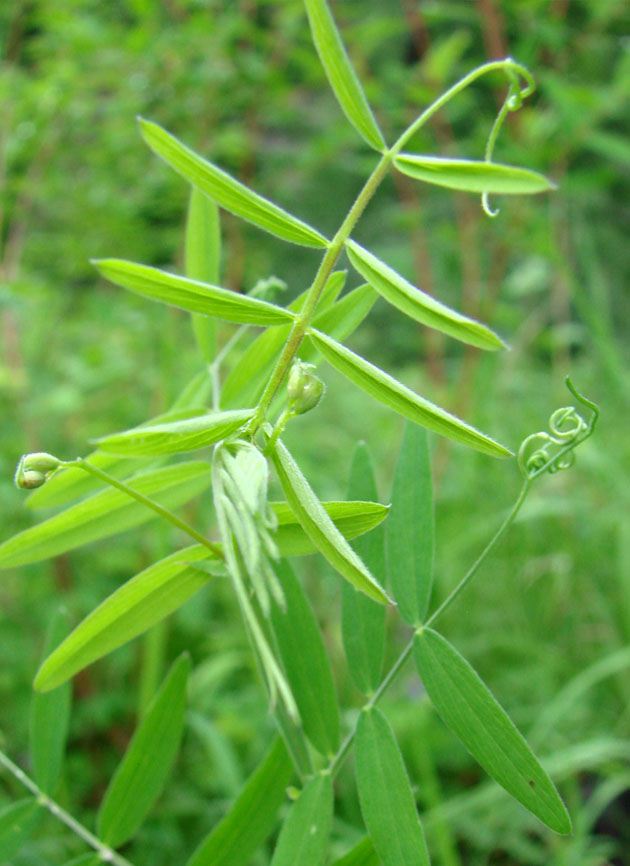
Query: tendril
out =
(551, 452)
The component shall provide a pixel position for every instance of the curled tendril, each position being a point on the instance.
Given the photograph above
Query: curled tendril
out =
(553, 451)
(513, 101)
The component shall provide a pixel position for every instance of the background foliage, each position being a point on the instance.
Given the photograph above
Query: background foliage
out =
(241, 83)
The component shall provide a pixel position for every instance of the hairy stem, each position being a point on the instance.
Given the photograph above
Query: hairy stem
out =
(106, 854)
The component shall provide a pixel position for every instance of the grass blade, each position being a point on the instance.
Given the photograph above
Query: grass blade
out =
(105, 514)
(132, 609)
(340, 73)
(363, 621)
(320, 529)
(403, 400)
(304, 836)
(50, 716)
(177, 436)
(228, 192)
(350, 518)
(469, 175)
(235, 840)
(387, 802)
(306, 663)
(410, 530)
(417, 304)
(143, 772)
(469, 709)
(191, 295)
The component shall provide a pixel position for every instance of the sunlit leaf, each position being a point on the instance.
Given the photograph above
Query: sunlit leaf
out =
(350, 518)
(176, 437)
(304, 836)
(387, 802)
(409, 529)
(306, 663)
(340, 73)
(417, 304)
(363, 621)
(203, 252)
(469, 709)
(50, 715)
(235, 840)
(320, 529)
(132, 609)
(142, 773)
(105, 514)
(469, 175)
(227, 191)
(403, 400)
(191, 295)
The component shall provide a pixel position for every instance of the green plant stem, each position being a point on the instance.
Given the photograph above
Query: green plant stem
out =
(80, 463)
(301, 324)
(107, 854)
(476, 565)
(398, 665)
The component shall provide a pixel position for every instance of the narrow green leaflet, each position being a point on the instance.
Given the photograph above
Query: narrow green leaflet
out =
(142, 774)
(105, 514)
(304, 836)
(320, 529)
(387, 802)
(176, 437)
(227, 191)
(202, 255)
(235, 840)
(363, 854)
(67, 485)
(350, 518)
(132, 609)
(469, 709)
(410, 528)
(197, 391)
(17, 822)
(340, 320)
(246, 381)
(50, 715)
(340, 74)
(469, 175)
(403, 400)
(306, 663)
(417, 304)
(191, 295)
(362, 620)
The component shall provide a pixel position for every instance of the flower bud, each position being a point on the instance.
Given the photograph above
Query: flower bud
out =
(33, 470)
(304, 388)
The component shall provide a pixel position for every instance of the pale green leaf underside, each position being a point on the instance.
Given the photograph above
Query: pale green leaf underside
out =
(105, 514)
(303, 839)
(191, 295)
(469, 175)
(228, 192)
(177, 436)
(351, 519)
(403, 400)
(417, 304)
(319, 527)
(132, 609)
(387, 802)
(142, 773)
(469, 709)
(340, 73)
(238, 836)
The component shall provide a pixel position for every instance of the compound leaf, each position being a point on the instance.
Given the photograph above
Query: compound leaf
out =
(227, 191)
(469, 709)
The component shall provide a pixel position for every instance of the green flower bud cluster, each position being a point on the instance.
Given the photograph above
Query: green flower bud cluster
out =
(305, 389)
(34, 469)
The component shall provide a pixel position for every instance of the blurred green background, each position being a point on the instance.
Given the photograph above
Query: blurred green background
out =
(547, 621)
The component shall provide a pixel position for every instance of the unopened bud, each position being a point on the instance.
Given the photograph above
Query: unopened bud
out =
(304, 388)
(33, 470)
